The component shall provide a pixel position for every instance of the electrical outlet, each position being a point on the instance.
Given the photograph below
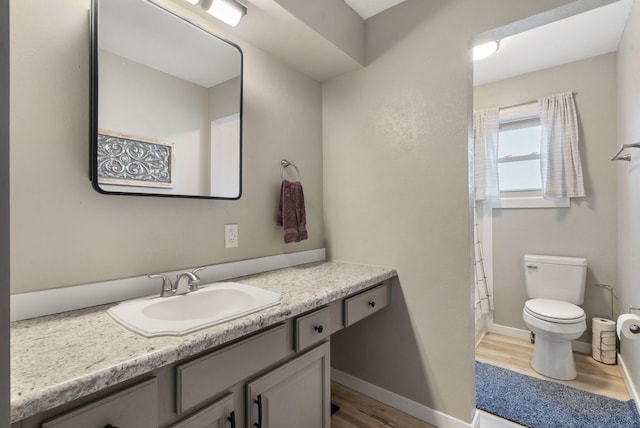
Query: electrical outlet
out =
(230, 236)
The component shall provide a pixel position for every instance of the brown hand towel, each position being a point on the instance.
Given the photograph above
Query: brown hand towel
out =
(291, 212)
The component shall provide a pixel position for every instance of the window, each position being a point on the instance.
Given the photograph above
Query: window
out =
(519, 150)
(512, 147)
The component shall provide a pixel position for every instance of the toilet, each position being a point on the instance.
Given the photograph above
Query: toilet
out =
(555, 286)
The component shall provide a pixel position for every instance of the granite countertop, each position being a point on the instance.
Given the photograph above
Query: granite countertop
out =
(58, 358)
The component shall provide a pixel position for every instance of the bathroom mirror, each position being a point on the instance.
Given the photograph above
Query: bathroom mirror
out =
(166, 104)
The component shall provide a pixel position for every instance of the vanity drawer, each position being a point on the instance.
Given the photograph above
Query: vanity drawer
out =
(364, 304)
(200, 379)
(136, 406)
(312, 328)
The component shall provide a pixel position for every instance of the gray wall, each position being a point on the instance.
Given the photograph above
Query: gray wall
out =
(629, 182)
(4, 215)
(65, 233)
(223, 99)
(397, 193)
(589, 227)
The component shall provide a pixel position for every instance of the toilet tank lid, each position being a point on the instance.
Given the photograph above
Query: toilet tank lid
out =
(558, 260)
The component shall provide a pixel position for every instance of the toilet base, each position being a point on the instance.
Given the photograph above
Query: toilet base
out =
(553, 359)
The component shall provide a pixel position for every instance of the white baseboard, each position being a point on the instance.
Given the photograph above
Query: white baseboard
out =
(508, 331)
(56, 300)
(403, 404)
(631, 386)
(582, 347)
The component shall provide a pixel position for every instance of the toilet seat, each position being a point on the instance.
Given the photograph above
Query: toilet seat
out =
(555, 311)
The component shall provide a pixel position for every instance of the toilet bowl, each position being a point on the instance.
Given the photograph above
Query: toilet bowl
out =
(555, 324)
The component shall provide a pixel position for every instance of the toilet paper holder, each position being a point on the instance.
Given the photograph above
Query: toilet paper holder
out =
(634, 329)
(609, 288)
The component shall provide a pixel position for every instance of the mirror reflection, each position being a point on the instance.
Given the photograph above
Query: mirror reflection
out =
(167, 105)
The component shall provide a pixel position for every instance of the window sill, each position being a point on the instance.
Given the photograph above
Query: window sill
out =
(529, 202)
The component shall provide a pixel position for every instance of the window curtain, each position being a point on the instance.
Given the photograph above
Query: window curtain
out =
(486, 125)
(559, 157)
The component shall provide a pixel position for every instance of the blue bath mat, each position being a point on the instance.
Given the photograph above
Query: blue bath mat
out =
(538, 403)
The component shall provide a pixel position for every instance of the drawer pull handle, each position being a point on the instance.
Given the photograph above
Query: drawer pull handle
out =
(318, 328)
(372, 304)
(109, 426)
(232, 419)
(258, 401)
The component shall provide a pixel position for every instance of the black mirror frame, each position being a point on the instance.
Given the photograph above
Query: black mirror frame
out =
(93, 110)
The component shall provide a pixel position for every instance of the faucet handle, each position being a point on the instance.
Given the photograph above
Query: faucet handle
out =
(194, 271)
(167, 287)
(195, 281)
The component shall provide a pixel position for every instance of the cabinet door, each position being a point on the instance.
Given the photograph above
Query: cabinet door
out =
(218, 415)
(296, 394)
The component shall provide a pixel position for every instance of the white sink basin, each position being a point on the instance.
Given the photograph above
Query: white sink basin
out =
(185, 313)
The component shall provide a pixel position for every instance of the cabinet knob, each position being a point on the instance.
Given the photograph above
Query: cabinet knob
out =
(318, 328)
(372, 304)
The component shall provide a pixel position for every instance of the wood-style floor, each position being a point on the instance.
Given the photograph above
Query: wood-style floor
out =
(358, 410)
(515, 354)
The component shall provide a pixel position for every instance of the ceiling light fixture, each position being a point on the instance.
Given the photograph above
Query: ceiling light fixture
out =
(485, 50)
(228, 11)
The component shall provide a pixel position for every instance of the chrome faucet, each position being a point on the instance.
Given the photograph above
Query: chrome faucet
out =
(185, 283)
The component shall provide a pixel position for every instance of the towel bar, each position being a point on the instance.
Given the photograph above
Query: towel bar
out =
(285, 163)
(626, 157)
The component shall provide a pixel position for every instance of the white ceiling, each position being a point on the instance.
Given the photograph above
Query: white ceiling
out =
(592, 33)
(368, 8)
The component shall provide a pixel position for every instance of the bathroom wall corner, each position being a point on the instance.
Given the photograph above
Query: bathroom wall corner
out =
(4, 214)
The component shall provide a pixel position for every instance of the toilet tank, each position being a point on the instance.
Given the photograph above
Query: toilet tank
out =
(554, 277)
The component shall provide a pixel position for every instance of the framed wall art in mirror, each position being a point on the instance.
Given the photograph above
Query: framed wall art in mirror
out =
(134, 161)
(166, 104)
